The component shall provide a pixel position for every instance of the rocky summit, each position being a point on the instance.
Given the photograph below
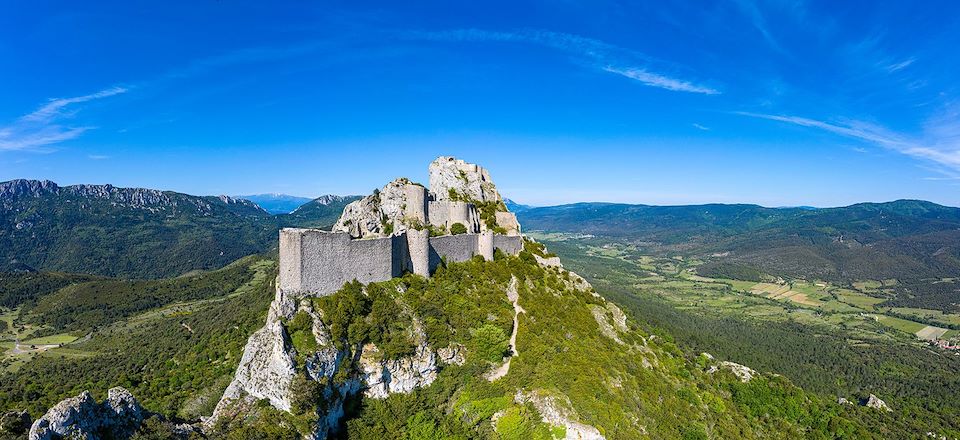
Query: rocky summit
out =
(424, 313)
(82, 417)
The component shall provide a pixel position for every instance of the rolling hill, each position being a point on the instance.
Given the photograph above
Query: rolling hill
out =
(915, 242)
(136, 232)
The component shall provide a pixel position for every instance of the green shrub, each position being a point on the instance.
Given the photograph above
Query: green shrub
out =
(300, 329)
(488, 342)
(458, 228)
(305, 394)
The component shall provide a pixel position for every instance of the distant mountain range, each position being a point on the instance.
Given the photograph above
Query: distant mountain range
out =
(137, 232)
(276, 203)
(145, 233)
(321, 212)
(515, 207)
(914, 241)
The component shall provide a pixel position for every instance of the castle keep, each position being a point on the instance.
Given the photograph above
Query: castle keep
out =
(403, 227)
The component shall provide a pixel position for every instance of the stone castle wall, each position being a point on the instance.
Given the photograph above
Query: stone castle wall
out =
(508, 244)
(320, 262)
(445, 213)
(454, 248)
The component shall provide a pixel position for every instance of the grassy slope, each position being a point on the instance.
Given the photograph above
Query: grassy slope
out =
(826, 356)
(176, 359)
(644, 387)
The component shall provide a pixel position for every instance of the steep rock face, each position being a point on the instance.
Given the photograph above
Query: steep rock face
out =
(266, 369)
(269, 367)
(468, 180)
(385, 377)
(371, 215)
(82, 417)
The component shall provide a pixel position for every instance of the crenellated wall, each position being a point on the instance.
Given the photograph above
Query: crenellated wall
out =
(320, 262)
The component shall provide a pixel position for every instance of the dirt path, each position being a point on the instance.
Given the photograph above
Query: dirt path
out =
(514, 298)
(19, 348)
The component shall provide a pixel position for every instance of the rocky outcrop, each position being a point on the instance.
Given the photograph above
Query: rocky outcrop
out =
(269, 367)
(26, 188)
(390, 209)
(82, 417)
(454, 179)
(875, 403)
(266, 370)
(611, 320)
(743, 373)
(389, 376)
(558, 411)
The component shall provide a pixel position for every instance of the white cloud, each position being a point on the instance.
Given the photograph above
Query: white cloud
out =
(39, 130)
(663, 82)
(596, 53)
(939, 144)
(52, 109)
(899, 66)
(700, 127)
(98, 157)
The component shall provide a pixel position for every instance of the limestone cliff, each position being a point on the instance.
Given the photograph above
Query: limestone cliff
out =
(82, 417)
(459, 192)
(454, 179)
(274, 369)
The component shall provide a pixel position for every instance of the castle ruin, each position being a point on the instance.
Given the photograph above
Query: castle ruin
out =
(403, 227)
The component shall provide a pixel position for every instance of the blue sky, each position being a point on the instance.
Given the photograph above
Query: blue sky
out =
(771, 102)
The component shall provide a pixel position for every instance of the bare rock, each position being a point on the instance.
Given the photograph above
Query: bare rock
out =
(266, 370)
(82, 417)
(383, 377)
(742, 372)
(453, 354)
(875, 403)
(454, 176)
(392, 206)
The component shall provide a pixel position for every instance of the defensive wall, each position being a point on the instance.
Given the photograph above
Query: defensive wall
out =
(320, 262)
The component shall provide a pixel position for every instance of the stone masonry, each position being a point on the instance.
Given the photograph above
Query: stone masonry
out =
(387, 233)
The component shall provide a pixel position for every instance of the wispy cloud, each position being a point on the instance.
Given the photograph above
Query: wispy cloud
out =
(53, 108)
(661, 81)
(595, 53)
(98, 157)
(700, 127)
(39, 130)
(939, 144)
(895, 67)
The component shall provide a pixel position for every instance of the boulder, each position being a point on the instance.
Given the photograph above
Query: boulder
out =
(82, 417)
(875, 403)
